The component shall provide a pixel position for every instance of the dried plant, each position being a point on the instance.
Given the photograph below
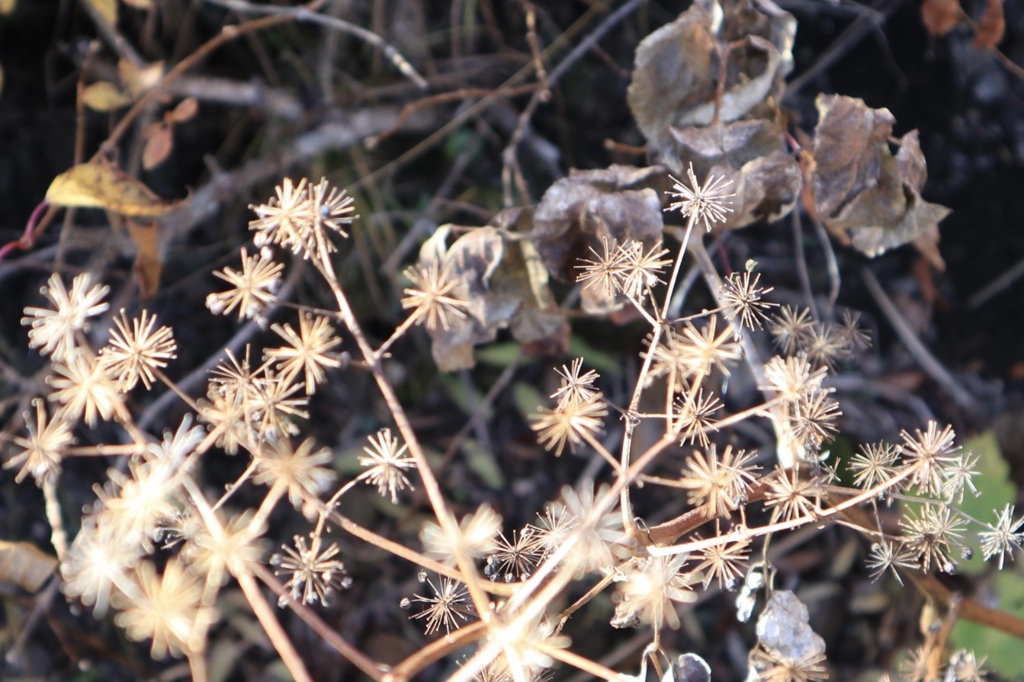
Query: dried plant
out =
(163, 548)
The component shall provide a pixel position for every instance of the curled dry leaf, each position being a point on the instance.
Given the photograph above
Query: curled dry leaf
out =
(104, 96)
(98, 185)
(578, 214)
(862, 192)
(500, 289)
(25, 565)
(147, 264)
(940, 16)
(675, 80)
(674, 99)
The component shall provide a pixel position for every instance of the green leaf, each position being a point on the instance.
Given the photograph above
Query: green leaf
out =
(483, 463)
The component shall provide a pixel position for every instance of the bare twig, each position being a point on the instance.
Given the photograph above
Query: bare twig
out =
(307, 14)
(929, 363)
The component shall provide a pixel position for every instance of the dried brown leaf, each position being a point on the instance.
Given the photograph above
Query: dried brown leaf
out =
(991, 26)
(159, 142)
(940, 16)
(185, 110)
(675, 80)
(578, 214)
(147, 266)
(502, 285)
(862, 192)
(25, 565)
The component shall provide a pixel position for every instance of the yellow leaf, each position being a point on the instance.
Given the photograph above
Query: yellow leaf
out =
(25, 565)
(106, 8)
(139, 79)
(96, 185)
(104, 96)
(7, 6)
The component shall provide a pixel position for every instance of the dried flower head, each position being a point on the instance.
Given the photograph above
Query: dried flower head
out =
(772, 666)
(387, 463)
(1000, 540)
(310, 351)
(932, 535)
(301, 217)
(569, 425)
(168, 609)
(331, 208)
(575, 387)
(792, 377)
(791, 328)
(43, 449)
(476, 536)
(252, 290)
(648, 589)
(701, 203)
(720, 484)
(447, 606)
(53, 329)
(693, 418)
(138, 504)
(135, 354)
(313, 575)
(300, 469)
(429, 296)
(932, 453)
(793, 495)
(232, 549)
(742, 297)
(85, 389)
(599, 538)
(875, 464)
(285, 219)
(97, 561)
(694, 352)
(826, 345)
(888, 555)
(642, 269)
(517, 558)
(724, 562)
(274, 403)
